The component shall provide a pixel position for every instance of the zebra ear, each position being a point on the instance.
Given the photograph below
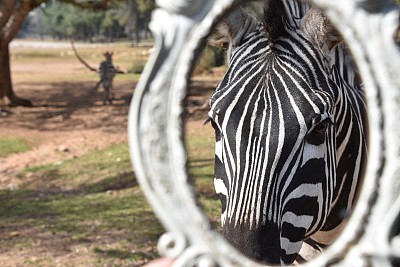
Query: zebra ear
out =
(320, 30)
(233, 29)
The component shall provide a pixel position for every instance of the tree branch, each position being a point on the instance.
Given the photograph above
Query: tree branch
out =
(89, 4)
(19, 12)
(6, 9)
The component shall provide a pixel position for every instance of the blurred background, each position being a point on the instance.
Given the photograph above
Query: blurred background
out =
(68, 194)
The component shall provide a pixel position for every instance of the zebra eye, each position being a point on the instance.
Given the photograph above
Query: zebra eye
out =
(320, 128)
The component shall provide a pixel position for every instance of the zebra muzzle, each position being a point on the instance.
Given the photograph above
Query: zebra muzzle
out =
(261, 244)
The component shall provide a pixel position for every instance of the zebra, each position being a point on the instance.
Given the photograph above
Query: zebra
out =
(290, 129)
(106, 72)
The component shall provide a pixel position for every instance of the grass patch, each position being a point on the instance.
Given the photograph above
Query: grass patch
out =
(90, 201)
(103, 168)
(12, 145)
(48, 53)
(137, 66)
(94, 202)
(120, 254)
(200, 146)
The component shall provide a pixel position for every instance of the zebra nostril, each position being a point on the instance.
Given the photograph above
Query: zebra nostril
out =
(261, 244)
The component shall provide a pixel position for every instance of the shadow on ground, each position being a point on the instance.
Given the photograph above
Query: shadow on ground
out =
(70, 105)
(63, 106)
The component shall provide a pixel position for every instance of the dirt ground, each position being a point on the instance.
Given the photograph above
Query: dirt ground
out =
(69, 119)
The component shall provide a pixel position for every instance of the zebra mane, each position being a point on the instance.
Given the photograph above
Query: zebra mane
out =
(281, 16)
(274, 20)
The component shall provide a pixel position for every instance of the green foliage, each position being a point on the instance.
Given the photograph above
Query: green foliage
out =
(137, 66)
(211, 57)
(62, 20)
(146, 6)
(67, 20)
(12, 145)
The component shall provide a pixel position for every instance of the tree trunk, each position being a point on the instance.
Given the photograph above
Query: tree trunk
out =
(6, 88)
(137, 35)
(12, 15)
(131, 27)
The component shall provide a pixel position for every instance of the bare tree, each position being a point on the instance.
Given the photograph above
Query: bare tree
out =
(12, 15)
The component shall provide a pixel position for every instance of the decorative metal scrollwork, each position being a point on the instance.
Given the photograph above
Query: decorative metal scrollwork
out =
(372, 237)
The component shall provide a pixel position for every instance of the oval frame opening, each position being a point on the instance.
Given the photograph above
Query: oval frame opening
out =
(159, 157)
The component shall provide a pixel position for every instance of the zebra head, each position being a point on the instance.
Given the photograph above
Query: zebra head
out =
(288, 117)
(108, 56)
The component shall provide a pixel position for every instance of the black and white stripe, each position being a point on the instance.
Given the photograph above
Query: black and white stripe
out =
(106, 73)
(290, 141)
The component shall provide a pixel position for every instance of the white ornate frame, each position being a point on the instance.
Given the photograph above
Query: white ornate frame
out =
(159, 157)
